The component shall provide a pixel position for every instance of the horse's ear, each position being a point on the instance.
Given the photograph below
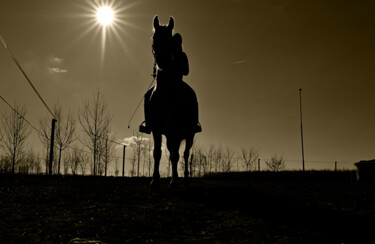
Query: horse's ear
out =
(156, 22)
(171, 23)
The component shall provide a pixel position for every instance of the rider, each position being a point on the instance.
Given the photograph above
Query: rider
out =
(179, 68)
(180, 63)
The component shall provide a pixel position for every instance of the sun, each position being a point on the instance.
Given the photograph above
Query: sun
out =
(105, 15)
(106, 20)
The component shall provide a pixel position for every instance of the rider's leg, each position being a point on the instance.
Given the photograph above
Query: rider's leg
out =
(146, 128)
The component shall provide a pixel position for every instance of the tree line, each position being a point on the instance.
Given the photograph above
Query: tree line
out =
(92, 131)
(95, 136)
(203, 160)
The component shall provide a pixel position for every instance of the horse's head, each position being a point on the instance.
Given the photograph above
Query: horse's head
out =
(162, 43)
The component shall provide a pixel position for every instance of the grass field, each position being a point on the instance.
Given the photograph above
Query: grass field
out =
(258, 207)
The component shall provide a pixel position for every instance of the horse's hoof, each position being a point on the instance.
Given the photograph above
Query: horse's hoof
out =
(155, 184)
(186, 181)
(173, 184)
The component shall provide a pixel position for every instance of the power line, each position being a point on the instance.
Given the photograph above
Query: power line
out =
(22, 117)
(78, 149)
(25, 75)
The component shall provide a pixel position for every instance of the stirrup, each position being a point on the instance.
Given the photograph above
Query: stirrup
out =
(144, 128)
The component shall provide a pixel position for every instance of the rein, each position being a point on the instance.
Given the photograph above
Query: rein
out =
(143, 97)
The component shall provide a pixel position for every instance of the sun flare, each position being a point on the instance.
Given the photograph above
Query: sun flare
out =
(105, 15)
(104, 21)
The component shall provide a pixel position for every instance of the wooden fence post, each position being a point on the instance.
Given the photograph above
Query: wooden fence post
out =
(123, 162)
(52, 145)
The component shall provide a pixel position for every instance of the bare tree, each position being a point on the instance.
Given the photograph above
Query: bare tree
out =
(200, 162)
(5, 164)
(24, 162)
(137, 143)
(66, 167)
(149, 157)
(94, 119)
(14, 130)
(209, 157)
(194, 167)
(44, 129)
(249, 158)
(83, 164)
(139, 148)
(108, 148)
(133, 161)
(55, 162)
(218, 158)
(276, 164)
(29, 163)
(147, 151)
(64, 131)
(74, 160)
(117, 171)
(37, 165)
(99, 159)
(228, 160)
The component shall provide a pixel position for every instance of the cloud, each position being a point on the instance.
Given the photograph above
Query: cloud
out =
(57, 70)
(55, 65)
(55, 60)
(147, 143)
(239, 61)
(133, 140)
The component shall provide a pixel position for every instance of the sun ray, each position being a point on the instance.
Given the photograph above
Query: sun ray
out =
(113, 32)
(103, 44)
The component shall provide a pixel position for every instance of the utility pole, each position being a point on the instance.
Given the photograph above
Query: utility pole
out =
(52, 145)
(300, 105)
(123, 162)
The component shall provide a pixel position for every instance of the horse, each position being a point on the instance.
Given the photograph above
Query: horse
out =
(171, 105)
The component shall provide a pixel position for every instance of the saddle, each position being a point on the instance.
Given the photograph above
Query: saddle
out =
(172, 109)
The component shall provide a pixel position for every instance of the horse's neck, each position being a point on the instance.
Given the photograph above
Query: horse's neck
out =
(164, 78)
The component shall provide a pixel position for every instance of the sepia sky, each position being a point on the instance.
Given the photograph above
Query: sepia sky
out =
(248, 59)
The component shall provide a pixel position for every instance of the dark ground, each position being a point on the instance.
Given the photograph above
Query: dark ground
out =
(287, 207)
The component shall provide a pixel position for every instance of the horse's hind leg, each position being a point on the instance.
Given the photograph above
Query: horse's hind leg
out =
(173, 145)
(155, 183)
(188, 146)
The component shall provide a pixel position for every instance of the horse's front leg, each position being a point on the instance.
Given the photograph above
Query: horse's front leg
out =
(188, 146)
(173, 145)
(155, 183)
(174, 159)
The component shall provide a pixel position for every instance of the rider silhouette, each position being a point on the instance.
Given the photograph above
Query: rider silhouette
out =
(180, 63)
(179, 68)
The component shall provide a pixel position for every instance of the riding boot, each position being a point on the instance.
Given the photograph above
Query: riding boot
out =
(196, 125)
(145, 126)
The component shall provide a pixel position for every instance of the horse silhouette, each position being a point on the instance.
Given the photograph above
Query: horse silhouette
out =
(171, 106)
